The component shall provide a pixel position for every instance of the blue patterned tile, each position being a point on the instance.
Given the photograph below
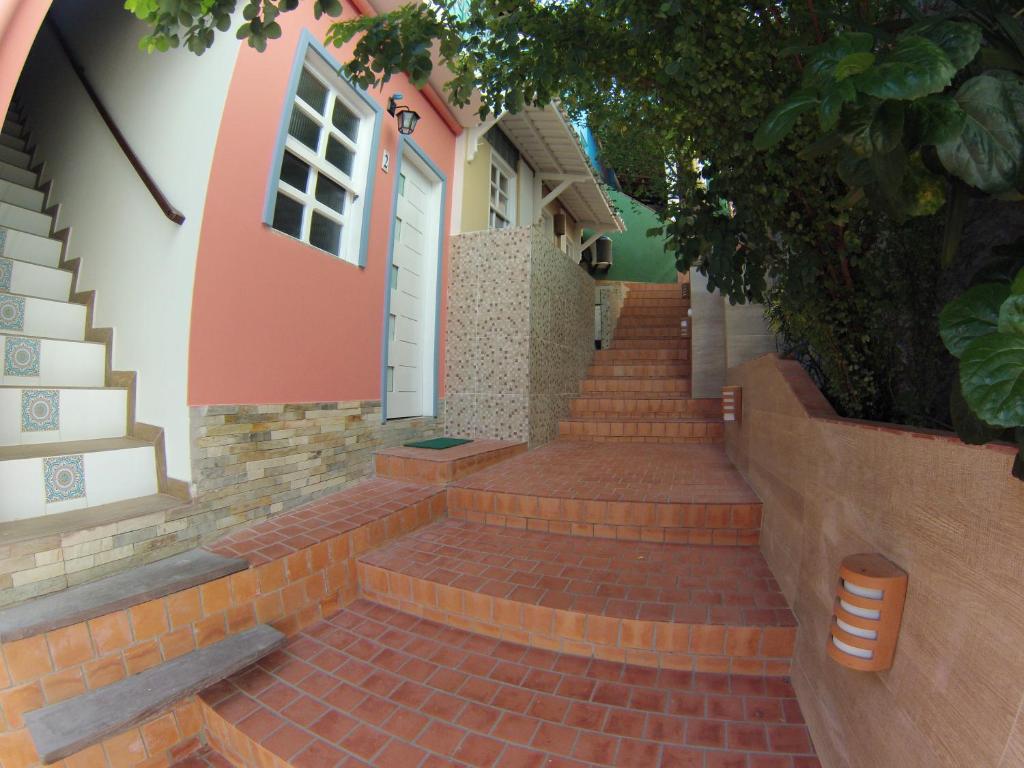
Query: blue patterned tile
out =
(64, 478)
(6, 270)
(40, 410)
(12, 313)
(21, 356)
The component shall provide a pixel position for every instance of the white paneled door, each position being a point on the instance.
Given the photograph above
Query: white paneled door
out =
(410, 376)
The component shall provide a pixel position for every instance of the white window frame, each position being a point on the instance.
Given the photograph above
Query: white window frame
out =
(354, 184)
(493, 212)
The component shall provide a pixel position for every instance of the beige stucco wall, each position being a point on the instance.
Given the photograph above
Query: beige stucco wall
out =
(520, 335)
(476, 189)
(950, 515)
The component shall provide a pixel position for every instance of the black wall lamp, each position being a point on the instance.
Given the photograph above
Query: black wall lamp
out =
(406, 117)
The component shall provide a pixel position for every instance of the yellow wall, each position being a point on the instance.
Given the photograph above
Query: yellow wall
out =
(476, 190)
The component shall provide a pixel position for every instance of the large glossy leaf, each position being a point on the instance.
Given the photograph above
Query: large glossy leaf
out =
(820, 70)
(782, 119)
(1011, 315)
(967, 426)
(936, 119)
(915, 67)
(875, 128)
(973, 314)
(854, 64)
(1017, 286)
(992, 377)
(832, 101)
(989, 152)
(959, 40)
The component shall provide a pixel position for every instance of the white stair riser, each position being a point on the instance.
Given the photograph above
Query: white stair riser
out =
(35, 280)
(15, 157)
(21, 195)
(108, 476)
(14, 142)
(24, 246)
(25, 220)
(41, 317)
(52, 363)
(75, 414)
(17, 175)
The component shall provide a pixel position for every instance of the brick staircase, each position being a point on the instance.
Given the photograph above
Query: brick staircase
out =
(638, 390)
(581, 604)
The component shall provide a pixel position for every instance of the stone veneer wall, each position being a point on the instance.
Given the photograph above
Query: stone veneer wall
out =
(520, 335)
(248, 462)
(612, 296)
(561, 335)
(950, 515)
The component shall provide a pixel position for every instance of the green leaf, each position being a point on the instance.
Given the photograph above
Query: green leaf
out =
(1017, 286)
(924, 192)
(782, 119)
(913, 68)
(967, 426)
(854, 64)
(959, 40)
(832, 103)
(875, 129)
(992, 377)
(937, 119)
(854, 170)
(820, 70)
(989, 153)
(971, 316)
(1011, 315)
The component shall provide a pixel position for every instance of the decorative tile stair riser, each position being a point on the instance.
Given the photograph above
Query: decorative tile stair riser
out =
(64, 478)
(40, 410)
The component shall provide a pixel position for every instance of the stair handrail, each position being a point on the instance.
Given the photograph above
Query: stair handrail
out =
(169, 210)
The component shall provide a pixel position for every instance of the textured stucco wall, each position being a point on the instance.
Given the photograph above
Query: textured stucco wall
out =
(520, 335)
(950, 515)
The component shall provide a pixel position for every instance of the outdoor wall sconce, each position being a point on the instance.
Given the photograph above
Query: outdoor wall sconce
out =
(732, 403)
(867, 612)
(405, 116)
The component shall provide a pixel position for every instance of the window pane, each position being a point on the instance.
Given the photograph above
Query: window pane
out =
(312, 91)
(288, 216)
(339, 155)
(304, 128)
(392, 320)
(326, 234)
(398, 230)
(394, 278)
(345, 120)
(401, 185)
(294, 171)
(330, 194)
(391, 378)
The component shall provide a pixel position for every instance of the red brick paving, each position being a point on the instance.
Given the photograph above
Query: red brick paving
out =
(684, 474)
(375, 687)
(635, 580)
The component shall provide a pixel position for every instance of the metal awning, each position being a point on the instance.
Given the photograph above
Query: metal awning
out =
(550, 145)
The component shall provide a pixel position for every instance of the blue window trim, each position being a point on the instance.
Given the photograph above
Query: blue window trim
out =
(307, 42)
(404, 142)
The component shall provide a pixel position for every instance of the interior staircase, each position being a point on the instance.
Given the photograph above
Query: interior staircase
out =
(68, 437)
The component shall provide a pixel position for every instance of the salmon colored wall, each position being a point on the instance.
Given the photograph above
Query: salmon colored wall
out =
(19, 23)
(275, 320)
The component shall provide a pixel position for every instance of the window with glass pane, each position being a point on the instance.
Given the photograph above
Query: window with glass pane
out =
(501, 197)
(325, 165)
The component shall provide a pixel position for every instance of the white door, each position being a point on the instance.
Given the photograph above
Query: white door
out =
(413, 285)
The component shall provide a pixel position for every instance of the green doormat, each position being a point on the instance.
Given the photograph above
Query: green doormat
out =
(438, 443)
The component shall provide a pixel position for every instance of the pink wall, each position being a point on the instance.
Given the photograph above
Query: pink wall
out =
(275, 320)
(19, 23)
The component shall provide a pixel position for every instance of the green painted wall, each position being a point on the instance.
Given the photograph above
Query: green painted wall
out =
(635, 256)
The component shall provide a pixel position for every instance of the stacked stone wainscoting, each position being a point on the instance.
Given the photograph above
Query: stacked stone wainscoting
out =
(611, 297)
(250, 462)
(520, 335)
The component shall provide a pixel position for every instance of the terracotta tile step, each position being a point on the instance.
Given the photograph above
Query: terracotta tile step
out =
(645, 407)
(672, 523)
(372, 686)
(661, 605)
(649, 331)
(640, 370)
(697, 430)
(607, 356)
(424, 465)
(674, 343)
(629, 387)
(637, 314)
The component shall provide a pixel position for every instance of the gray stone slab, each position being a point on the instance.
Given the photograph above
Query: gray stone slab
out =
(72, 725)
(113, 593)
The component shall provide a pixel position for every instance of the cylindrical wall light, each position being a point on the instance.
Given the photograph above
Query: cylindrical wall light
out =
(867, 612)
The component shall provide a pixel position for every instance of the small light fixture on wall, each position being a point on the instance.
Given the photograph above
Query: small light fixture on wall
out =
(867, 612)
(406, 117)
(732, 403)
